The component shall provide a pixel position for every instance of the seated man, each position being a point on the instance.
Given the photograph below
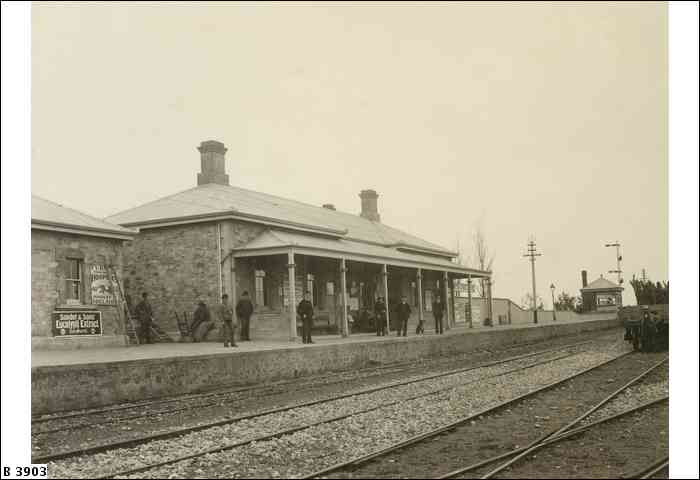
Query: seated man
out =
(202, 323)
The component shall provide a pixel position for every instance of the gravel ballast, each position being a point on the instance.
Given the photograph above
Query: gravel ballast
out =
(327, 444)
(229, 404)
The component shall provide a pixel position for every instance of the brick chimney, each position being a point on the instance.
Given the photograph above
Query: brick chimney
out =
(213, 156)
(584, 278)
(329, 206)
(369, 205)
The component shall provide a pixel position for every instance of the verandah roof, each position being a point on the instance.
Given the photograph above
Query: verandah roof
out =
(277, 242)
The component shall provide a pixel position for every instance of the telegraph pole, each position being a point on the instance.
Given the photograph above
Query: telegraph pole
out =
(617, 246)
(532, 253)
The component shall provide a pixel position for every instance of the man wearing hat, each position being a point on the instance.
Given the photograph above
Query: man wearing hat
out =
(202, 322)
(224, 314)
(380, 316)
(244, 309)
(306, 311)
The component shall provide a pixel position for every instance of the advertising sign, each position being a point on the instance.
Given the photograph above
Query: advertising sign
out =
(476, 314)
(462, 290)
(76, 323)
(606, 299)
(428, 300)
(101, 286)
(298, 291)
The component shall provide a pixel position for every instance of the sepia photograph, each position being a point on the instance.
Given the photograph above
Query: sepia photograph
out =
(350, 240)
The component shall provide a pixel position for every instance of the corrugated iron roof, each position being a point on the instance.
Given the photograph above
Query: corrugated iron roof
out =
(602, 284)
(51, 215)
(276, 239)
(209, 199)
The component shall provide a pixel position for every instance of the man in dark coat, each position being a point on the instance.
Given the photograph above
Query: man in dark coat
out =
(403, 311)
(380, 316)
(224, 314)
(438, 310)
(305, 310)
(202, 324)
(144, 314)
(244, 309)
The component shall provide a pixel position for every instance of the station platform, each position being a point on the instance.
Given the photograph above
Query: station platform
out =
(87, 378)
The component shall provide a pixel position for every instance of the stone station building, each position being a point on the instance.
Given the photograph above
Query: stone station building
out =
(74, 258)
(216, 238)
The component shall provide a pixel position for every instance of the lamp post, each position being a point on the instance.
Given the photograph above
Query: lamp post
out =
(554, 306)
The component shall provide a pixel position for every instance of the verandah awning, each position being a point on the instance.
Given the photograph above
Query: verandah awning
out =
(278, 242)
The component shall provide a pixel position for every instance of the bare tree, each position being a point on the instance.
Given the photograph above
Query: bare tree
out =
(526, 302)
(482, 257)
(462, 257)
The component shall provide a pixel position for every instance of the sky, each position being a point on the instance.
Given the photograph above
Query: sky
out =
(529, 119)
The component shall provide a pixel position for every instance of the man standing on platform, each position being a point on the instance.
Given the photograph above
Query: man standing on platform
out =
(144, 314)
(380, 316)
(305, 310)
(224, 313)
(403, 312)
(437, 313)
(244, 309)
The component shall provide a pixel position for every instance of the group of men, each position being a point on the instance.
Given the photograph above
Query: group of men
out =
(202, 322)
(403, 313)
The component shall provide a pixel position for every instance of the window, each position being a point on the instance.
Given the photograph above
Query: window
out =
(260, 292)
(74, 277)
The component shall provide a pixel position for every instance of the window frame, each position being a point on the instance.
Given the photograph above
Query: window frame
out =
(74, 285)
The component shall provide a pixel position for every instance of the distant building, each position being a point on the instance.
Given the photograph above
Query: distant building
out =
(601, 295)
(216, 238)
(74, 258)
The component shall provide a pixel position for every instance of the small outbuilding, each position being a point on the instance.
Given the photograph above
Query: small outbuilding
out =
(76, 259)
(601, 295)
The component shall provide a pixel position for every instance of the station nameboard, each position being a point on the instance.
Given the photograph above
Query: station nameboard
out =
(76, 323)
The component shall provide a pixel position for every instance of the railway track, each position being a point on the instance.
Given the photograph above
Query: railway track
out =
(202, 426)
(513, 456)
(563, 433)
(64, 421)
(304, 426)
(651, 469)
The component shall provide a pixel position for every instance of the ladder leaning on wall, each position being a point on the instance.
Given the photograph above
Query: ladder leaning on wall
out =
(123, 311)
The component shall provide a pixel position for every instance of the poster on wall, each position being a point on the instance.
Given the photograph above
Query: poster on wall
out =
(298, 291)
(476, 314)
(354, 303)
(330, 288)
(428, 300)
(462, 290)
(606, 299)
(101, 286)
(78, 323)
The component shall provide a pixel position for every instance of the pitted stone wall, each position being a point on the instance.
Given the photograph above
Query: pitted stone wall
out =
(49, 251)
(176, 266)
(179, 265)
(86, 386)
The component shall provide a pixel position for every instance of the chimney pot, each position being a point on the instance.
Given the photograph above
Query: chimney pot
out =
(369, 205)
(584, 278)
(213, 160)
(329, 206)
